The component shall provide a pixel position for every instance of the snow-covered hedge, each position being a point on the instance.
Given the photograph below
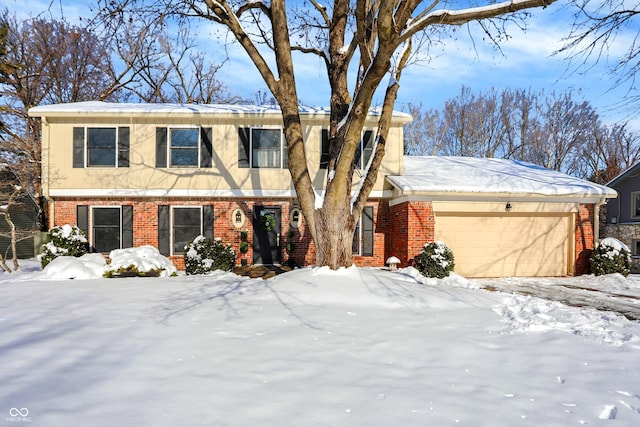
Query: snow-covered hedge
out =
(203, 256)
(144, 261)
(63, 240)
(435, 260)
(610, 256)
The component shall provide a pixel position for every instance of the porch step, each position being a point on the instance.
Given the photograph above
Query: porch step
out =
(264, 271)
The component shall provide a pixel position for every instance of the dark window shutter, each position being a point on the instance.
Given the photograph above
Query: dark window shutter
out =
(123, 147)
(163, 230)
(206, 147)
(324, 149)
(82, 220)
(207, 221)
(127, 226)
(161, 147)
(285, 153)
(367, 231)
(243, 147)
(78, 147)
(367, 146)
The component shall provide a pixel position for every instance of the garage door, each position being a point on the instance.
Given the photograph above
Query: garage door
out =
(486, 245)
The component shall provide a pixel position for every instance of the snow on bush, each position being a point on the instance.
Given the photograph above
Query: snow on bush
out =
(435, 260)
(141, 261)
(88, 266)
(203, 256)
(610, 256)
(63, 240)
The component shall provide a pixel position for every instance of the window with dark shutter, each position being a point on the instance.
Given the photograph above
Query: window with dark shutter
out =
(364, 233)
(367, 231)
(106, 228)
(187, 225)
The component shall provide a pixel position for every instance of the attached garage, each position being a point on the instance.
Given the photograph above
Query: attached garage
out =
(496, 245)
(499, 217)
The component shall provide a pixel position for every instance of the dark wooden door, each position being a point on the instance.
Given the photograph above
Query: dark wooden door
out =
(267, 221)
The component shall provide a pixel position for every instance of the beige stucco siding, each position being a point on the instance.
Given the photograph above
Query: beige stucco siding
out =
(532, 239)
(224, 177)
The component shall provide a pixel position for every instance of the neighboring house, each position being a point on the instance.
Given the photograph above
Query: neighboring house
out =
(160, 174)
(623, 214)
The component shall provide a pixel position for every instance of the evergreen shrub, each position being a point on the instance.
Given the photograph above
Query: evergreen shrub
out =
(610, 256)
(63, 240)
(435, 260)
(203, 256)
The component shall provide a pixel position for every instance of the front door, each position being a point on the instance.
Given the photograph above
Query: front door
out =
(266, 235)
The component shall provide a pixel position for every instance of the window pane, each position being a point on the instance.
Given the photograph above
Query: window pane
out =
(184, 147)
(636, 247)
(184, 138)
(266, 148)
(636, 204)
(101, 146)
(187, 225)
(184, 157)
(106, 229)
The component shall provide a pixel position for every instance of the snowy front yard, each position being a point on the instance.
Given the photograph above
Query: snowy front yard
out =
(357, 347)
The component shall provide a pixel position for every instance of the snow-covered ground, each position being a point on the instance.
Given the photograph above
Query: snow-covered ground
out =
(314, 347)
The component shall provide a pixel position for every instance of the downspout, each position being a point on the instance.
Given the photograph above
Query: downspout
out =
(596, 220)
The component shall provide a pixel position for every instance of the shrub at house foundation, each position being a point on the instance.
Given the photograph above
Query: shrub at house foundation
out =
(610, 256)
(435, 260)
(63, 240)
(203, 256)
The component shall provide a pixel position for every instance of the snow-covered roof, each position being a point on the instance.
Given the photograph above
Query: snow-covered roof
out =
(120, 108)
(475, 177)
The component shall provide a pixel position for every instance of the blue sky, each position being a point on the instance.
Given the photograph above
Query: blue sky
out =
(527, 61)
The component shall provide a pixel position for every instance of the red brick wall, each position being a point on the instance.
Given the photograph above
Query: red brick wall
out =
(584, 238)
(412, 226)
(145, 224)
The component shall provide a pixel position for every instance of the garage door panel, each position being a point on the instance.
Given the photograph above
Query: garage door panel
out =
(506, 245)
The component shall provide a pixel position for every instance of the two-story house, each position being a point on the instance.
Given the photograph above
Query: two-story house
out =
(161, 174)
(623, 213)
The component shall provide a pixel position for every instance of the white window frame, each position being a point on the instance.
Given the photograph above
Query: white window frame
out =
(283, 146)
(199, 145)
(86, 146)
(91, 222)
(172, 224)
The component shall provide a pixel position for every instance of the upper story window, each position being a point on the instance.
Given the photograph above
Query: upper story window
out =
(100, 147)
(635, 205)
(360, 161)
(262, 148)
(184, 147)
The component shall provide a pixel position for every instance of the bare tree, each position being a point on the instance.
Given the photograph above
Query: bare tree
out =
(598, 25)
(556, 130)
(374, 37)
